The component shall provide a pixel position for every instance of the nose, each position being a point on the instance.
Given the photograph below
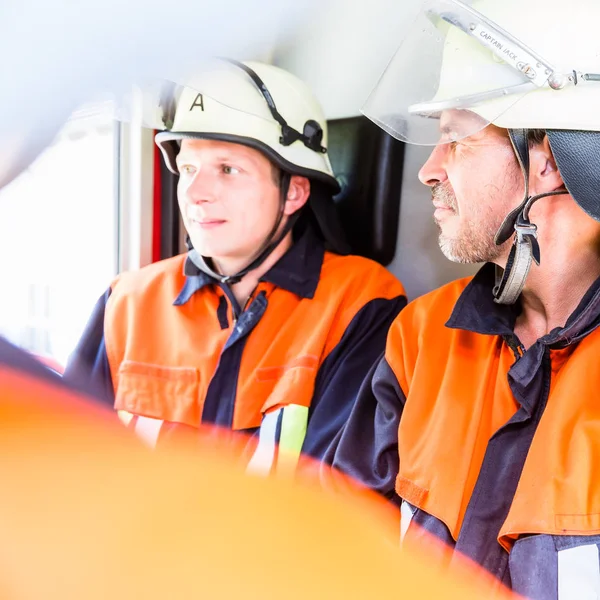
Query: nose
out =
(434, 171)
(199, 188)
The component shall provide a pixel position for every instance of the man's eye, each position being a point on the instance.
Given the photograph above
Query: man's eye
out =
(186, 169)
(229, 170)
(452, 141)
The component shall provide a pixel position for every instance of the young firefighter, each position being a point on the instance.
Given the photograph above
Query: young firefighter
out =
(259, 328)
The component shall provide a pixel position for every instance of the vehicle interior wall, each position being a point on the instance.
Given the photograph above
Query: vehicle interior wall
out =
(341, 54)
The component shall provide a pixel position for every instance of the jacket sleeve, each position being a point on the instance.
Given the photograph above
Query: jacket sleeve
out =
(341, 374)
(88, 367)
(366, 448)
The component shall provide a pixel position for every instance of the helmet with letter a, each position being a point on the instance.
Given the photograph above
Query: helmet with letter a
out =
(265, 108)
(255, 104)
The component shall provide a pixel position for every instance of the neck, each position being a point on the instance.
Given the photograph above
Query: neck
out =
(243, 289)
(555, 288)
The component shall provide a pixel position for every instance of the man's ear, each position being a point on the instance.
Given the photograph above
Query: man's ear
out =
(297, 196)
(543, 171)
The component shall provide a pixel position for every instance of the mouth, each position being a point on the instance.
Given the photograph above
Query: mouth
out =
(207, 223)
(442, 210)
(441, 205)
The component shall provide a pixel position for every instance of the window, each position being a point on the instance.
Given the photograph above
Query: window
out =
(59, 238)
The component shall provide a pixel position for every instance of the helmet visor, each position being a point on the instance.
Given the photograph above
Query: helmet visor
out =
(454, 74)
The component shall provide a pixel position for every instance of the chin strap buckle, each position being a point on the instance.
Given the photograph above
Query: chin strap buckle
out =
(525, 249)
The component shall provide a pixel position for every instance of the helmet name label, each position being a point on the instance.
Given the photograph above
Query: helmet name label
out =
(491, 41)
(513, 54)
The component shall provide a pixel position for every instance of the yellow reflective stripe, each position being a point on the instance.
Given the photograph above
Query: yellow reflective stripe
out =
(293, 428)
(293, 432)
(285, 450)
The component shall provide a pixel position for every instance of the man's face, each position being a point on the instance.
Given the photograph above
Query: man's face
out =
(228, 198)
(475, 182)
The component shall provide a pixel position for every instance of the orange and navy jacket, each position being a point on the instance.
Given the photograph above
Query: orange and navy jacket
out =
(492, 448)
(169, 346)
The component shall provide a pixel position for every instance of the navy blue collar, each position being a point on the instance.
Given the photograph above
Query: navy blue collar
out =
(475, 310)
(297, 271)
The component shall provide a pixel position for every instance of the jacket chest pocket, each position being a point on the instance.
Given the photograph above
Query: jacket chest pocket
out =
(159, 392)
(292, 382)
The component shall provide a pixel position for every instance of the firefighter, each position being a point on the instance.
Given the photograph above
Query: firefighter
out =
(265, 326)
(481, 420)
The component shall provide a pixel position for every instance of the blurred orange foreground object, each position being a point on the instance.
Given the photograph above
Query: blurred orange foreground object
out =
(86, 512)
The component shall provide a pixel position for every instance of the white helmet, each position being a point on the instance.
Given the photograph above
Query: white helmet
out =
(519, 64)
(257, 105)
(516, 63)
(270, 110)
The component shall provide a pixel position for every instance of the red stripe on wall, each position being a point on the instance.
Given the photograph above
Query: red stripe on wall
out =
(156, 206)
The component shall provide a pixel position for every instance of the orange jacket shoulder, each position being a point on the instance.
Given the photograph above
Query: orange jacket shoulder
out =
(164, 272)
(352, 282)
(358, 277)
(423, 319)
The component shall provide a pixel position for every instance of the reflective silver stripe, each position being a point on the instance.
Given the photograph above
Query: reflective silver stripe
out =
(262, 460)
(294, 421)
(579, 573)
(125, 417)
(147, 429)
(406, 515)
